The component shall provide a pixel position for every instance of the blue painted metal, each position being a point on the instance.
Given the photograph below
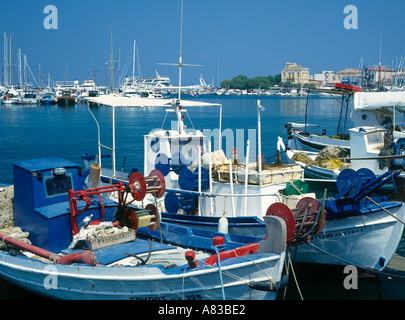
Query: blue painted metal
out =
(188, 180)
(350, 199)
(165, 164)
(196, 238)
(174, 202)
(41, 204)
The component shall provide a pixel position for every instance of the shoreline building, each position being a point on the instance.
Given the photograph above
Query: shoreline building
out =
(295, 73)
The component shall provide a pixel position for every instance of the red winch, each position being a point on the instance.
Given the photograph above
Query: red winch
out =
(306, 219)
(138, 186)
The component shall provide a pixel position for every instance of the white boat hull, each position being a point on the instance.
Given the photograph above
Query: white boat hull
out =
(367, 241)
(312, 171)
(315, 142)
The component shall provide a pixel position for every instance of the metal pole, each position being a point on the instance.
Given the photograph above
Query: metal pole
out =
(210, 178)
(220, 128)
(246, 175)
(199, 176)
(259, 143)
(231, 185)
(113, 149)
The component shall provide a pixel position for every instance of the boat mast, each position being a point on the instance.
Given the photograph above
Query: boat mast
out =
(133, 64)
(181, 44)
(19, 67)
(5, 81)
(39, 71)
(379, 65)
(10, 60)
(111, 62)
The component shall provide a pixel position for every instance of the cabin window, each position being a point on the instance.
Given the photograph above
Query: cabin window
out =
(375, 141)
(58, 185)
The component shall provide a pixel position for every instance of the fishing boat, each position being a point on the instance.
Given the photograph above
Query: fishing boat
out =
(48, 98)
(66, 98)
(315, 165)
(29, 97)
(358, 229)
(299, 136)
(78, 244)
(374, 143)
(208, 191)
(11, 97)
(241, 198)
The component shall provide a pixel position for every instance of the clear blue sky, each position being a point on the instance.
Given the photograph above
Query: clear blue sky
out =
(255, 37)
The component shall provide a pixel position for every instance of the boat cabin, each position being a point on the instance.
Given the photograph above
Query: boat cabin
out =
(41, 202)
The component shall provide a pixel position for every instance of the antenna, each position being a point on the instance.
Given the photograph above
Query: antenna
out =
(180, 64)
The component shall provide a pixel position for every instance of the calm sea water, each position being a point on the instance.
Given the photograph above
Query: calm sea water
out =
(28, 132)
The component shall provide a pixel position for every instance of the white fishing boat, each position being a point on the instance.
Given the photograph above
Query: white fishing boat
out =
(11, 96)
(373, 142)
(301, 138)
(65, 254)
(30, 97)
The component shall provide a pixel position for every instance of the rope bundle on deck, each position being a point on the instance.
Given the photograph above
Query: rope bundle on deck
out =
(7, 218)
(7, 207)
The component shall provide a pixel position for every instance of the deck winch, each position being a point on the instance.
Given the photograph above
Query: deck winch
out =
(353, 187)
(306, 219)
(189, 180)
(174, 164)
(176, 201)
(138, 186)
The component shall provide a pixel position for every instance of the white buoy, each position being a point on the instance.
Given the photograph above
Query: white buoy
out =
(223, 225)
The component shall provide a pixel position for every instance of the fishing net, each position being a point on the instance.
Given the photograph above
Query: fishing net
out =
(302, 157)
(330, 157)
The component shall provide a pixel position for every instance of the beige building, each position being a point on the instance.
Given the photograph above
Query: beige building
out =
(295, 73)
(348, 73)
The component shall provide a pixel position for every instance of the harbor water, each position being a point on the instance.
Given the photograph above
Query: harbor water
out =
(35, 131)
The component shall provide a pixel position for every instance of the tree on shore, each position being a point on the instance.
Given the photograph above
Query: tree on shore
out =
(242, 82)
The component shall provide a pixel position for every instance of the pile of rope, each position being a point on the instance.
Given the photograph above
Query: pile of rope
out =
(15, 233)
(7, 207)
(7, 218)
(103, 229)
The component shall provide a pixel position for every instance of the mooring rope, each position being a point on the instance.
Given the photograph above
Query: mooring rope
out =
(352, 264)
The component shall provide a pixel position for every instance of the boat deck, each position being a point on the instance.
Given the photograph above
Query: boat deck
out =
(108, 255)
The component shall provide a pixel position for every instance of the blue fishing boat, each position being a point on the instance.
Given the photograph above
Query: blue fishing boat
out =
(48, 98)
(82, 245)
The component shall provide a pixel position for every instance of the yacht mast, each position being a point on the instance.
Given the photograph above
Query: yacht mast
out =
(133, 64)
(181, 45)
(111, 62)
(5, 60)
